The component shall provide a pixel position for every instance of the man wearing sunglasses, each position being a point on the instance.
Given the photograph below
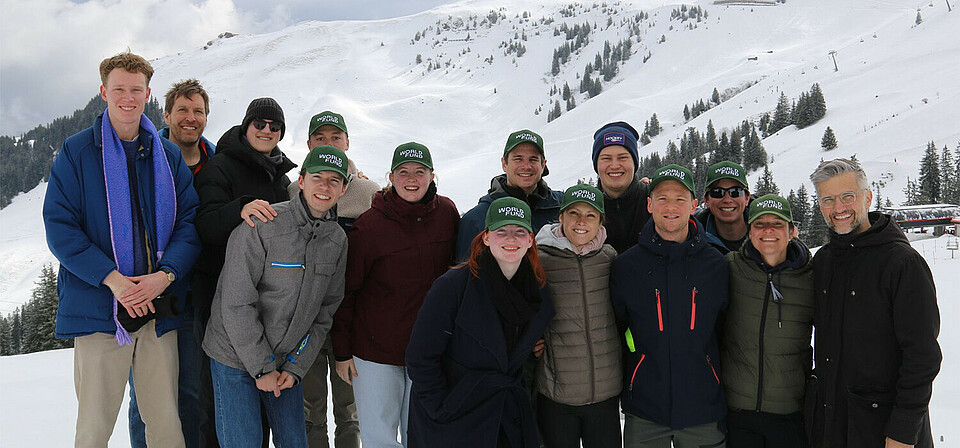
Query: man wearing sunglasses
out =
(877, 321)
(725, 204)
(236, 186)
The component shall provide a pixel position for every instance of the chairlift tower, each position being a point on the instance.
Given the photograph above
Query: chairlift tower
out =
(833, 53)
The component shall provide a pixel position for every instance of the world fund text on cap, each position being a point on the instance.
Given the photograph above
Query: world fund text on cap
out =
(411, 152)
(326, 158)
(583, 193)
(770, 204)
(673, 172)
(327, 118)
(727, 170)
(507, 211)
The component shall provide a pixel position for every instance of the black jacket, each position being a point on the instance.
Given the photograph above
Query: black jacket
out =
(670, 295)
(876, 351)
(625, 216)
(236, 175)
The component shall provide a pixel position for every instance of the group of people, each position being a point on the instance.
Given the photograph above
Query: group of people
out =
(225, 295)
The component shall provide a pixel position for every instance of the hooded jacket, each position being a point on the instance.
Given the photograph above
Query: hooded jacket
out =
(765, 344)
(237, 175)
(544, 204)
(670, 295)
(625, 216)
(397, 249)
(705, 217)
(466, 387)
(77, 225)
(581, 359)
(876, 343)
(276, 297)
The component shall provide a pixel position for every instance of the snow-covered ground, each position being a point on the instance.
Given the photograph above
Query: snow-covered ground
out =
(38, 407)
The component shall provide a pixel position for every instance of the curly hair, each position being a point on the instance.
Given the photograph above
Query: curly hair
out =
(128, 61)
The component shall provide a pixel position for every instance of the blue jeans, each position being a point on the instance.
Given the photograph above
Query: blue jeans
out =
(382, 393)
(188, 403)
(237, 404)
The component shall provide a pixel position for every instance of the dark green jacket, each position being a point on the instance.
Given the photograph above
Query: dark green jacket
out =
(765, 345)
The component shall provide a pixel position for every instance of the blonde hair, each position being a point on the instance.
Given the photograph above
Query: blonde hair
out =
(128, 61)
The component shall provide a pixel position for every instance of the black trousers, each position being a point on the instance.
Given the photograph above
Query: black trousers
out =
(751, 429)
(563, 426)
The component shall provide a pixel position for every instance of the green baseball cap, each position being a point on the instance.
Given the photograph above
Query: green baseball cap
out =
(525, 136)
(326, 117)
(583, 193)
(411, 152)
(727, 170)
(673, 172)
(770, 204)
(326, 158)
(509, 210)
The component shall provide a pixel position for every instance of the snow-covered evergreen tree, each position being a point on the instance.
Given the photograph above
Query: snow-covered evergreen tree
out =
(829, 140)
(766, 184)
(929, 182)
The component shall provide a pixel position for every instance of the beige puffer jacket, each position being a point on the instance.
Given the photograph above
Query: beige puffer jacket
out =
(581, 361)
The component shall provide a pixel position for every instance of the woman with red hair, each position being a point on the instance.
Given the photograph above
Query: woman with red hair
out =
(477, 327)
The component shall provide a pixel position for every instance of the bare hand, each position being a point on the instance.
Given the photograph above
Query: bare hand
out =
(538, 348)
(286, 380)
(147, 287)
(269, 383)
(645, 180)
(361, 175)
(890, 443)
(257, 208)
(347, 371)
(121, 286)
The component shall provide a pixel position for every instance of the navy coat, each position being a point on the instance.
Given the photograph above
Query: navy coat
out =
(465, 386)
(670, 294)
(77, 227)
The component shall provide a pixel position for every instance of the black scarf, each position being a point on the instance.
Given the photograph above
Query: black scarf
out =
(516, 300)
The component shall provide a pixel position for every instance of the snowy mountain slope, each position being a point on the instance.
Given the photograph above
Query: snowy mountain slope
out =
(897, 88)
(40, 407)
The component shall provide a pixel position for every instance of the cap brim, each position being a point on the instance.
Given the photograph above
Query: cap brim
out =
(776, 213)
(317, 169)
(515, 222)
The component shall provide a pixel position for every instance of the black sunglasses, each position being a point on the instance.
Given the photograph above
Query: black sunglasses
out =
(735, 192)
(274, 126)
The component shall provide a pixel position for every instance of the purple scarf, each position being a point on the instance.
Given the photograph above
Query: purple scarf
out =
(118, 202)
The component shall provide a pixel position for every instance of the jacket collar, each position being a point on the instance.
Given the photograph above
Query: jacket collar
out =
(232, 145)
(883, 230)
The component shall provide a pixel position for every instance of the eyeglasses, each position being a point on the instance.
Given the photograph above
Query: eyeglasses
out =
(846, 198)
(735, 192)
(260, 124)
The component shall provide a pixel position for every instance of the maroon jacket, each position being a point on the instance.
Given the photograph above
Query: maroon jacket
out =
(396, 250)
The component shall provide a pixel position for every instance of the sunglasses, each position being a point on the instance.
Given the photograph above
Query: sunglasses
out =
(260, 124)
(735, 192)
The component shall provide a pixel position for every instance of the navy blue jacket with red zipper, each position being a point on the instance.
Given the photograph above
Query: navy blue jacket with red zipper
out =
(669, 295)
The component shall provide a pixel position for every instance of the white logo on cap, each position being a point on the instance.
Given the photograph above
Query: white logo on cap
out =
(526, 136)
(328, 119)
(511, 211)
(584, 194)
(770, 203)
(728, 170)
(331, 159)
(673, 172)
(412, 153)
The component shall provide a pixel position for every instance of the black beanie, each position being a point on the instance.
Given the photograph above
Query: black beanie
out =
(264, 109)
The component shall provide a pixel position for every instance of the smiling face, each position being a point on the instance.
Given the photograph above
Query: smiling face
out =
(670, 205)
(508, 244)
(321, 191)
(126, 94)
(186, 119)
(727, 210)
(329, 135)
(770, 235)
(581, 223)
(262, 140)
(615, 167)
(411, 181)
(845, 219)
(524, 167)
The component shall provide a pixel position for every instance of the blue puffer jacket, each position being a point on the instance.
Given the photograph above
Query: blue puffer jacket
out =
(670, 294)
(544, 203)
(78, 232)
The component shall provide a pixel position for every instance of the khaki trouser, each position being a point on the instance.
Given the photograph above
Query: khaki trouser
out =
(347, 434)
(100, 371)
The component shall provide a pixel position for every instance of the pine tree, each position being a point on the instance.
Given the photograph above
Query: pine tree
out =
(911, 193)
(930, 176)
(817, 232)
(715, 97)
(5, 337)
(710, 141)
(735, 151)
(16, 333)
(818, 105)
(654, 126)
(801, 211)
(781, 116)
(566, 91)
(754, 156)
(829, 140)
(766, 185)
(44, 304)
(686, 112)
(948, 181)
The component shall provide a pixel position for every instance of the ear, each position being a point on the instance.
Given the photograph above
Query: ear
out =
(166, 119)
(693, 207)
(300, 181)
(390, 177)
(103, 93)
(486, 238)
(649, 204)
(503, 162)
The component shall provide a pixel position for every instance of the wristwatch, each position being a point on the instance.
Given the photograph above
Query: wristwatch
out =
(171, 277)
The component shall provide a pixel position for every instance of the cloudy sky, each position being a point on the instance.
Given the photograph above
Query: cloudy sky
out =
(50, 49)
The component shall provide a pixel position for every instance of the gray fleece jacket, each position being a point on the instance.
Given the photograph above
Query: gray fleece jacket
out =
(277, 292)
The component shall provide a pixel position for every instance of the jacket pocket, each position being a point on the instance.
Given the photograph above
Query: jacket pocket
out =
(633, 374)
(867, 414)
(713, 370)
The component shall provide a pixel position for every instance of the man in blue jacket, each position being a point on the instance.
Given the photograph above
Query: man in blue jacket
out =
(186, 106)
(118, 213)
(524, 165)
(668, 291)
